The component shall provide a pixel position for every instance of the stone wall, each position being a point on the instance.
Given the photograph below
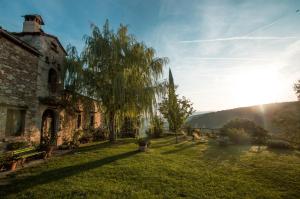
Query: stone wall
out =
(18, 75)
(51, 59)
(24, 81)
(68, 122)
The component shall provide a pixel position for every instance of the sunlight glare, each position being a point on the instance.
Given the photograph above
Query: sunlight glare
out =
(256, 87)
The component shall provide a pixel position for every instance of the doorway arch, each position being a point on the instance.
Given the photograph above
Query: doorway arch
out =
(48, 127)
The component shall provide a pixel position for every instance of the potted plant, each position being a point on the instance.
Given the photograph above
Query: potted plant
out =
(143, 144)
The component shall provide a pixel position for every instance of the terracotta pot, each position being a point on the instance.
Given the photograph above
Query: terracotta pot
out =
(13, 165)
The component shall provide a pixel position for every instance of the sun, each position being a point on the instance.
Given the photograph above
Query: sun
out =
(256, 87)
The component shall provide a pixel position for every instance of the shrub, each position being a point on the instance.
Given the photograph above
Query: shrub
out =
(238, 136)
(223, 141)
(100, 134)
(156, 127)
(278, 144)
(144, 142)
(76, 137)
(87, 136)
(5, 160)
(16, 145)
(128, 134)
(257, 134)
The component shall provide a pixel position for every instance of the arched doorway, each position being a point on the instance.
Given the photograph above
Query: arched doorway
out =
(48, 130)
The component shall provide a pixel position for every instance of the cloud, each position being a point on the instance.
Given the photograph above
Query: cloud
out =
(236, 39)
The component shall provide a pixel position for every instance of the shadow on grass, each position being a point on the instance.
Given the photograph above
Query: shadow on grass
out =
(165, 142)
(232, 153)
(101, 145)
(283, 152)
(182, 146)
(18, 185)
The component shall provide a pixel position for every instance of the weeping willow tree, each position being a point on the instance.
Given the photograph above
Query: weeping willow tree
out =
(73, 76)
(122, 74)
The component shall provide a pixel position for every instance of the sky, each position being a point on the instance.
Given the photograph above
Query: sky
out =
(223, 54)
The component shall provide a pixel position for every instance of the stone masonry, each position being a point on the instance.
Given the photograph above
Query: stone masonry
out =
(31, 87)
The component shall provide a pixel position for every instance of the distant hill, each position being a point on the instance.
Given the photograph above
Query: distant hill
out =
(263, 115)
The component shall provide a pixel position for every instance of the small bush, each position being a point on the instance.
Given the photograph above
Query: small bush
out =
(245, 132)
(76, 137)
(144, 142)
(156, 127)
(223, 141)
(128, 134)
(87, 136)
(279, 144)
(238, 136)
(16, 145)
(100, 134)
(5, 160)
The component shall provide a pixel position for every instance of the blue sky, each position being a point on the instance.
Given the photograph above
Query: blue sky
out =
(223, 54)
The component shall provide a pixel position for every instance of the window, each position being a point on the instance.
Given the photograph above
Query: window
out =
(15, 122)
(92, 120)
(52, 80)
(53, 47)
(78, 121)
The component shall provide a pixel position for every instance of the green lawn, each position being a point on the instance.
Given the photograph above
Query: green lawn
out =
(187, 169)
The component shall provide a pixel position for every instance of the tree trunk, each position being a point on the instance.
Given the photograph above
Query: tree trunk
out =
(112, 133)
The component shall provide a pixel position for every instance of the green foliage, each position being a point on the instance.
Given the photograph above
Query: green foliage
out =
(5, 159)
(288, 121)
(130, 127)
(77, 134)
(245, 127)
(278, 144)
(16, 145)
(238, 136)
(100, 134)
(156, 127)
(86, 137)
(288, 124)
(176, 110)
(122, 73)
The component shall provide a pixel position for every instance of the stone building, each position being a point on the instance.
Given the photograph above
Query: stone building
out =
(31, 87)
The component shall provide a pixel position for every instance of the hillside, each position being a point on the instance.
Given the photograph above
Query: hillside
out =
(263, 115)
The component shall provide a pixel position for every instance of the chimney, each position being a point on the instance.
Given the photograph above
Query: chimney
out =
(32, 23)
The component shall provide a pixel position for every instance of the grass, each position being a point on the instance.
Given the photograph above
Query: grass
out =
(187, 169)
